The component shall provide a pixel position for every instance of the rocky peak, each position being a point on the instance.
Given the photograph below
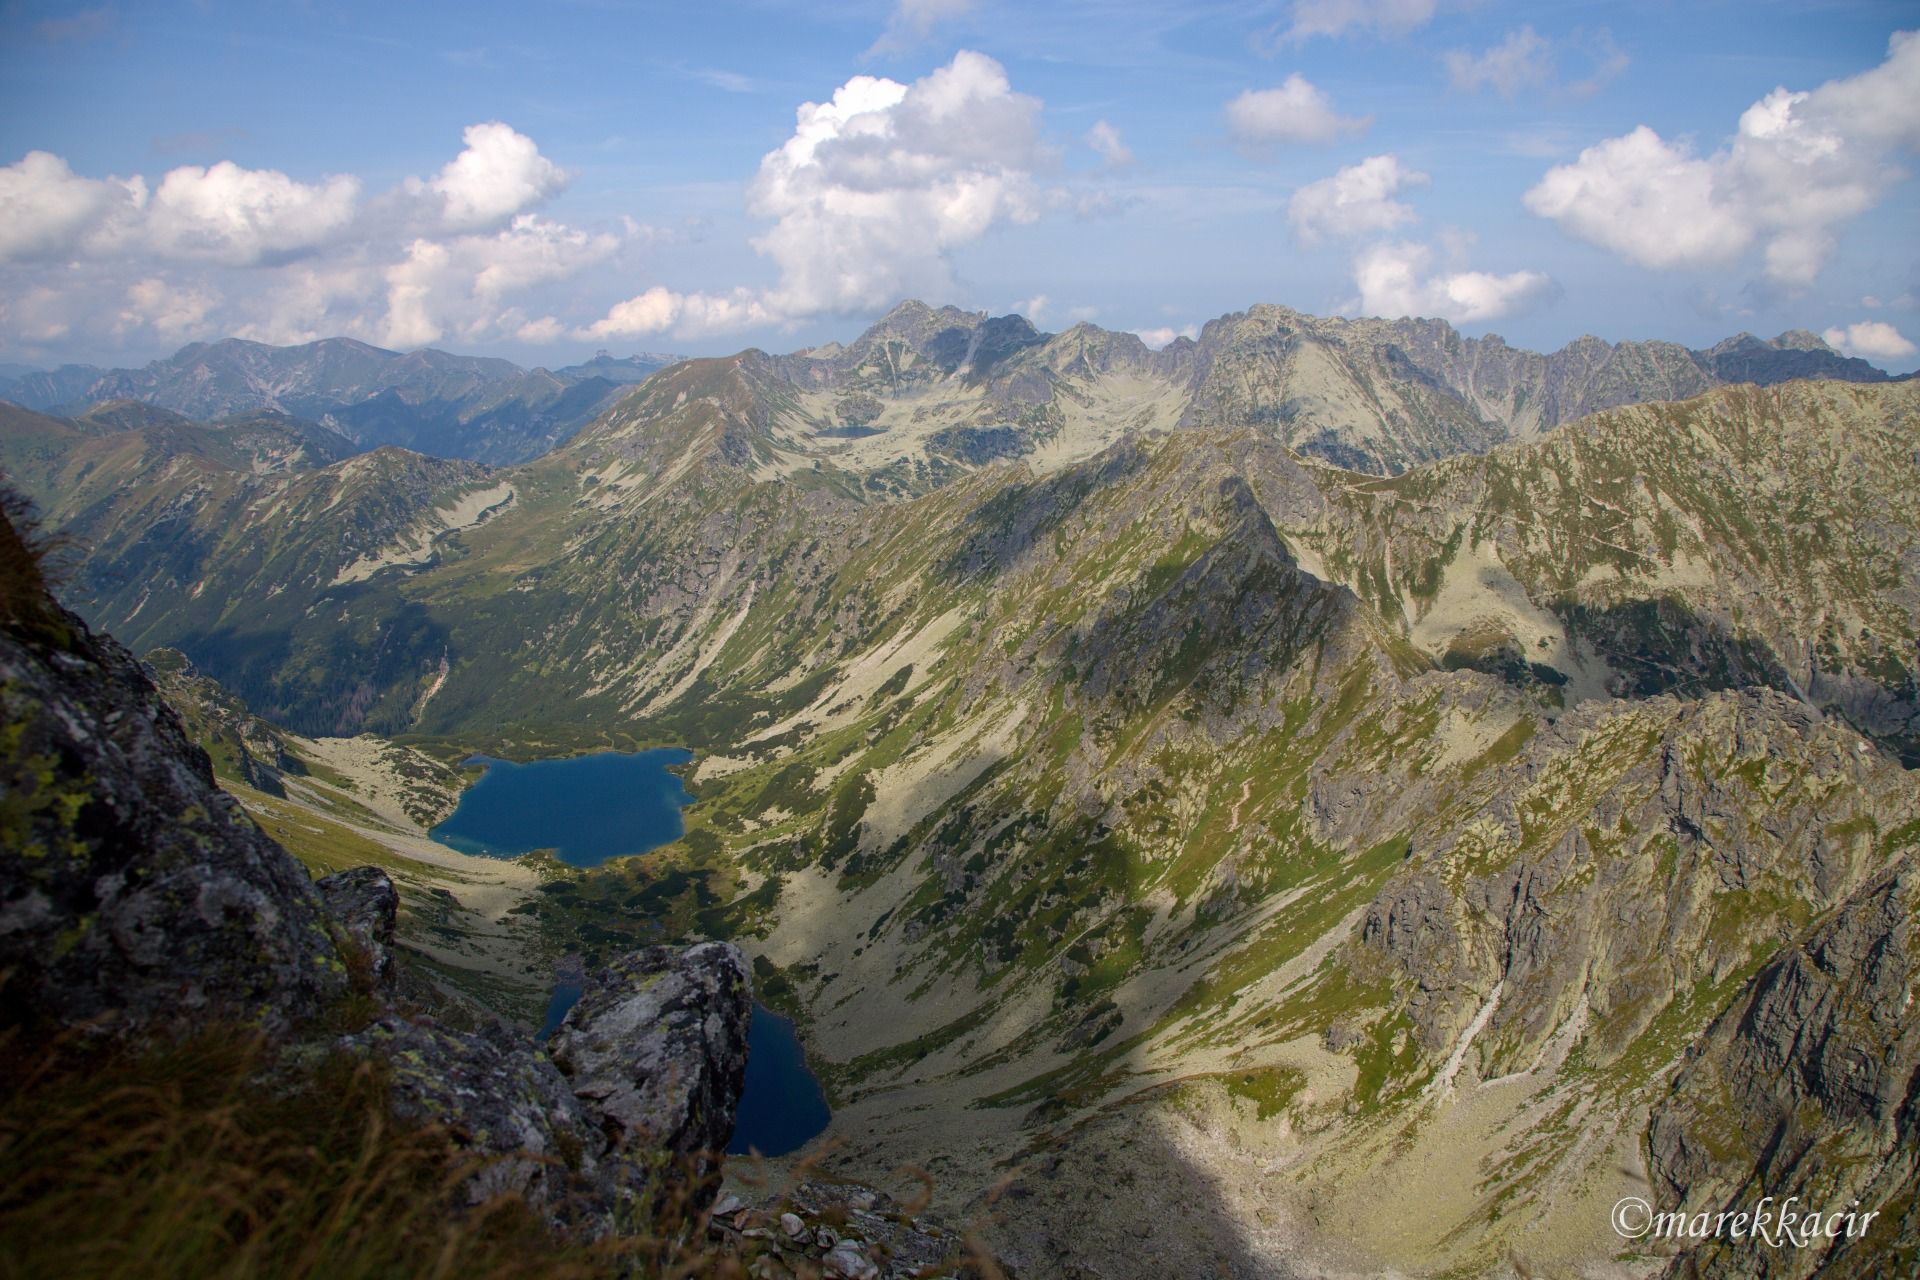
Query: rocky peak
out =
(1800, 340)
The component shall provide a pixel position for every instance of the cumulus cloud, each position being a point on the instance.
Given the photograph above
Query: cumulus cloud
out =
(173, 314)
(224, 214)
(1106, 140)
(878, 184)
(1872, 339)
(1799, 166)
(1397, 279)
(460, 286)
(244, 216)
(1296, 112)
(1358, 200)
(48, 211)
(868, 197)
(501, 173)
(660, 309)
(1032, 308)
(1312, 18)
(448, 256)
(913, 20)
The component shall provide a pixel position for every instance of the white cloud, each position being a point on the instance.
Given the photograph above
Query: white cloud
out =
(544, 330)
(1160, 337)
(876, 186)
(174, 314)
(501, 173)
(1355, 201)
(48, 211)
(1337, 17)
(1294, 112)
(1524, 60)
(1873, 339)
(1106, 140)
(240, 217)
(1644, 200)
(1397, 279)
(38, 314)
(461, 286)
(688, 314)
(1800, 165)
(913, 21)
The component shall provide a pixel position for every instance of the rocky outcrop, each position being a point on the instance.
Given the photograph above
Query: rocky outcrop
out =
(366, 906)
(656, 1048)
(843, 1231)
(628, 1117)
(1808, 1086)
(134, 893)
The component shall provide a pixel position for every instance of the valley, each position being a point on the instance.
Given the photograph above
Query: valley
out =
(1193, 801)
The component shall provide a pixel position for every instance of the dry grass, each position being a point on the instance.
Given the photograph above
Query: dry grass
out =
(183, 1161)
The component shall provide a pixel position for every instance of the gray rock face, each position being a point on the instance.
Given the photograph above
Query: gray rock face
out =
(656, 1051)
(629, 1116)
(132, 889)
(500, 1099)
(1808, 1086)
(365, 904)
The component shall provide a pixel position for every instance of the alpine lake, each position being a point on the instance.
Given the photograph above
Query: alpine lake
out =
(587, 809)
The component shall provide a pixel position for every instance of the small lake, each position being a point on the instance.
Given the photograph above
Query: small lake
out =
(782, 1105)
(585, 808)
(588, 809)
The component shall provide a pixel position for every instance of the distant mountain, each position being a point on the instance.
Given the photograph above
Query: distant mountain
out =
(444, 405)
(625, 370)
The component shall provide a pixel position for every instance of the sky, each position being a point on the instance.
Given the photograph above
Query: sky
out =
(544, 181)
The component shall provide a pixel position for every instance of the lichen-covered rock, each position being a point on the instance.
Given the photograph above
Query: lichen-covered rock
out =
(365, 904)
(1809, 1086)
(499, 1098)
(133, 891)
(656, 1051)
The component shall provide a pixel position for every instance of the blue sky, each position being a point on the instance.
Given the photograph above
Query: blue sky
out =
(542, 181)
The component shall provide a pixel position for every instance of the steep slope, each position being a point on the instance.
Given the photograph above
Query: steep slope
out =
(234, 558)
(1750, 536)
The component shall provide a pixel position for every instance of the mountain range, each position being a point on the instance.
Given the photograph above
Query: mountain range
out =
(451, 406)
(1196, 802)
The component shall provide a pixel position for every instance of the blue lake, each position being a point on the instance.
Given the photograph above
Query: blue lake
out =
(588, 809)
(782, 1105)
(585, 808)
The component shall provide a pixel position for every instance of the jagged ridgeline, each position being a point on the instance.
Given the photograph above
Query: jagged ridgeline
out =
(1111, 782)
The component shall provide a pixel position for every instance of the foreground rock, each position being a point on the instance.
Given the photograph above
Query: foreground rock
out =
(843, 1231)
(625, 1123)
(656, 1052)
(133, 891)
